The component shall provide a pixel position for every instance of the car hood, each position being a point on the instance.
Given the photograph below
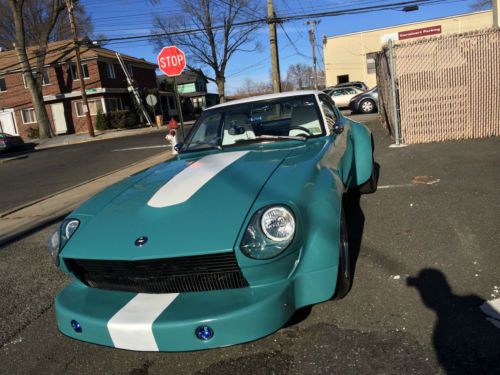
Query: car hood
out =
(183, 207)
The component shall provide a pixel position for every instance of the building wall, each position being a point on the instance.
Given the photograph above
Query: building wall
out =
(347, 54)
(61, 81)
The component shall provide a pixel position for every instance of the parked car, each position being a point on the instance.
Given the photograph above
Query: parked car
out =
(10, 142)
(358, 84)
(223, 243)
(342, 96)
(366, 102)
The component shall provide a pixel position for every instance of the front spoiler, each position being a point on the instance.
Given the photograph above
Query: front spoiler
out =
(117, 319)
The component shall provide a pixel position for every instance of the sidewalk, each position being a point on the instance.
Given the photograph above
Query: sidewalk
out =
(70, 139)
(25, 219)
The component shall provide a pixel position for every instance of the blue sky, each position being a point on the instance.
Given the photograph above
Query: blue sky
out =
(117, 18)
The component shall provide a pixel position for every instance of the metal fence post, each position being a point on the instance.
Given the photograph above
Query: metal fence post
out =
(393, 94)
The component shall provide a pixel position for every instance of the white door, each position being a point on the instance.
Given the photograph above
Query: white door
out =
(59, 119)
(7, 122)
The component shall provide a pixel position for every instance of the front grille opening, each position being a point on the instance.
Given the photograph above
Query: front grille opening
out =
(170, 275)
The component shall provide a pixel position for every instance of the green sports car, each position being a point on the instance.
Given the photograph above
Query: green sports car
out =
(223, 243)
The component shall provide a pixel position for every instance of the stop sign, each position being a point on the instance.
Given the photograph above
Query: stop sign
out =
(171, 61)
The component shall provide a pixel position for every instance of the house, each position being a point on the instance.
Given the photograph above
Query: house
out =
(192, 88)
(105, 82)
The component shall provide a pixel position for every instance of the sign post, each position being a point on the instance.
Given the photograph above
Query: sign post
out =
(172, 62)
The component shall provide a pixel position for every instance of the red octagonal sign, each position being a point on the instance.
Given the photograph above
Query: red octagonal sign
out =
(171, 61)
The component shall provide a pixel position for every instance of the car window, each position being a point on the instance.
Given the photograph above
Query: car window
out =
(337, 92)
(328, 110)
(351, 91)
(254, 121)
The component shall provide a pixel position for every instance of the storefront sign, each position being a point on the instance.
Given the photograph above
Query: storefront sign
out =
(417, 33)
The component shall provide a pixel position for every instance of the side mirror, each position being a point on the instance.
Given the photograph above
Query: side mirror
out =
(178, 146)
(338, 127)
(236, 130)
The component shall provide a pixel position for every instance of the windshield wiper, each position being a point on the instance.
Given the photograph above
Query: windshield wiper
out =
(201, 143)
(274, 137)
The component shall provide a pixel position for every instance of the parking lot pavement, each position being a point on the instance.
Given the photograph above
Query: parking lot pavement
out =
(428, 259)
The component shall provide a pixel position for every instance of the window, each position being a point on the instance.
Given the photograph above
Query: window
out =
(113, 104)
(74, 71)
(351, 91)
(45, 78)
(95, 106)
(330, 114)
(3, 86)
(110, 70)
(28, 115)
(343, 78)
(370, 66)
(130, 69)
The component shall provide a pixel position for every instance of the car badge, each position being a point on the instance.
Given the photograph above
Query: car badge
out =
(141, 241)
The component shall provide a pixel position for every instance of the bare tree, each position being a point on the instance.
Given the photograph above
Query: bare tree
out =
(34, 17)
(33, 75)
(218, 38)
(300, 76)
(481, 4)
(251, 88)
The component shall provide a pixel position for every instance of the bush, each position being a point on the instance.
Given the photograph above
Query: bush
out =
(102, 121)
(33, 132)
(122, 119)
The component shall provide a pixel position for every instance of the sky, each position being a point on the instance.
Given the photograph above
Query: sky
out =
(119, 18)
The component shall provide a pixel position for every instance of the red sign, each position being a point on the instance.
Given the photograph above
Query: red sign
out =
(417, 33)
(171, 61)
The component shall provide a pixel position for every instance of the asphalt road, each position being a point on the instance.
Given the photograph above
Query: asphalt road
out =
(426, 258)
(48, 171)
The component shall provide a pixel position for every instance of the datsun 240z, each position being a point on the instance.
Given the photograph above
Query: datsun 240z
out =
(223, 243)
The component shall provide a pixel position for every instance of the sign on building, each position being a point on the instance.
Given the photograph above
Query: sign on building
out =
(417, 33)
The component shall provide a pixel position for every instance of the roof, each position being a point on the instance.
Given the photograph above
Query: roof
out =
(187, 76)
(61, 52)
(410, 23)
(267, 97)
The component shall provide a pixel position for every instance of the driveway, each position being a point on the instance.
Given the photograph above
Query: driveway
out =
(426, 252)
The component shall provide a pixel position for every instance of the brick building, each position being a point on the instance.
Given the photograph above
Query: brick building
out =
(105, 83)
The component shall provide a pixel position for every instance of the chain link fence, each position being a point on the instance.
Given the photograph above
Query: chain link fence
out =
(448, 87)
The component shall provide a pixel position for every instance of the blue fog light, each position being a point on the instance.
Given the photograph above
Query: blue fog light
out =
(76, 326)
(204, 333)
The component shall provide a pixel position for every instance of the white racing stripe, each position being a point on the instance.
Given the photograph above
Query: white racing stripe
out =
(140, 148)
(184, 185)
(132, 326)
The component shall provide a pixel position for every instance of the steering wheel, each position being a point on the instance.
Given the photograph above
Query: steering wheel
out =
(307, 131)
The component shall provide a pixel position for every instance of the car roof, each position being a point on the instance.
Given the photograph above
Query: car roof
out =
(267, 97)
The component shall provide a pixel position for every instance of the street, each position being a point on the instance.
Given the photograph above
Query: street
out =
(425, 248)
(48, 171)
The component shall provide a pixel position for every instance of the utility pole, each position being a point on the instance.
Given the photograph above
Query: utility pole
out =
(86, 108)
(273, 41)
(312, 38)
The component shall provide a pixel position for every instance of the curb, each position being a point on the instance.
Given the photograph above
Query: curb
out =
(24, 205)
(3, 161)
(35, 222)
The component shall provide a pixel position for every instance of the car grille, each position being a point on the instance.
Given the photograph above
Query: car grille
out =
(170, 275)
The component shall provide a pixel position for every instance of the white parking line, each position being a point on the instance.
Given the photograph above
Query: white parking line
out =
(492, 310)
(140, 148)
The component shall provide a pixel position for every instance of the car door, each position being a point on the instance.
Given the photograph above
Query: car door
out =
(339, 97)
(351, 92)
(339, 156)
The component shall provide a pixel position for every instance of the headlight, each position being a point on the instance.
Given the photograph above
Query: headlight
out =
(269, 233)
(61, 236)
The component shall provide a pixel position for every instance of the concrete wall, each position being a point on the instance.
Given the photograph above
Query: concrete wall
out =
(346, 54)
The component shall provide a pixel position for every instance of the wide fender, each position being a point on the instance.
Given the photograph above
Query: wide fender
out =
(363, 154)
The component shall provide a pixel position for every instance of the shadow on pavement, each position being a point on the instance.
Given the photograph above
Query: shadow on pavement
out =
(26, 149)
(464, 341)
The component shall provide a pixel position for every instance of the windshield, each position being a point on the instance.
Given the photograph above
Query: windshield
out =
(295, 117)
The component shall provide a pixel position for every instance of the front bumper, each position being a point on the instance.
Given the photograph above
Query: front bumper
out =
(167, 322)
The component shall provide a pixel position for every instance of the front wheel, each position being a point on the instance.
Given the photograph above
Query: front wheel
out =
(367, 106)
(344, 276)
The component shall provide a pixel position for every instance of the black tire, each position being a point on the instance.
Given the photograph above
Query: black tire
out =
(344, 275)
(367, 106)
(370, 186)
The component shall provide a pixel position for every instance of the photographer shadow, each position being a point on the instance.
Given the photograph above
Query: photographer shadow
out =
(464, 340)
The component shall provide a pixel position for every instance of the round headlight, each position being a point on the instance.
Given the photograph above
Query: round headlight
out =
(278, 224)
(70, 227)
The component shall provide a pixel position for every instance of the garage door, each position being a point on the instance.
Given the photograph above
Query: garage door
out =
(7, 122)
